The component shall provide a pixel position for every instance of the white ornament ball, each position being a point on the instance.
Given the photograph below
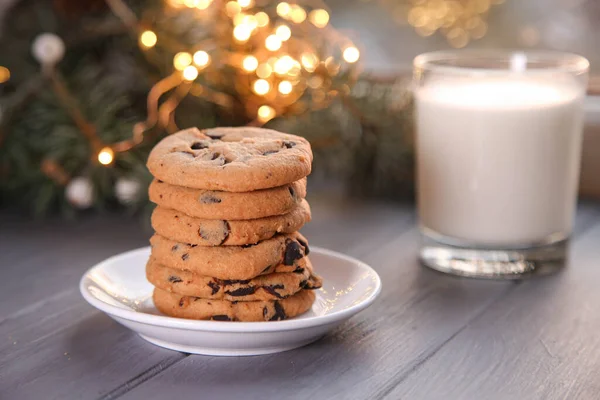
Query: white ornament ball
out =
(127, 190)
(48, 49)
(80, 192)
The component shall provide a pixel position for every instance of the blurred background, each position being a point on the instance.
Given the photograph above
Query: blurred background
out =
(88, 87)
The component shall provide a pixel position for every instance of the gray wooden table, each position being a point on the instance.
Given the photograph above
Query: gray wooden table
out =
(428, 336)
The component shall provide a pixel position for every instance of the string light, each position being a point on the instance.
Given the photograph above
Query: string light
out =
(283, 32)
(351, 54)
(4, 74)
(298, 14)
(190, 73)
(242, 32)
(285, 87)
(283, 9)
(201, 58)
(262, 19)
(261, 87)
(265, 113)
(264, 71)
(148, 39)
(232, 8)
(106, 156)
(182, 60)
(319, 18)
(250, 63)
(203, 4)
(283, 65)
(246, 3)
(273, 43)
(190, 3)
(309, 61)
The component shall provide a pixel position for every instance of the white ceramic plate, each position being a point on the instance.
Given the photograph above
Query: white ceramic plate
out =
(118, 286)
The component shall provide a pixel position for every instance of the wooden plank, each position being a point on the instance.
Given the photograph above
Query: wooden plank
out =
(419, 310)
(103, 358)
(540, 342)
(42, 258)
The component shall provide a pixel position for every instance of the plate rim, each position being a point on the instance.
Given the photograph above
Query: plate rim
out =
(223, 326)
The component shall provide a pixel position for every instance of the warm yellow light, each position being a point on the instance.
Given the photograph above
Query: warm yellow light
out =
(232, 8)
(298, 14)
(264, 71)
(283, 9)
(148, 39)
(201, 58)
(182, 60)
(273, 43)
(319, 18)
(190, 3)
(106, 156)
(262, 19)
(4, 74)
(250, 63)
(203, 4)
(242, 32)
(190, 73)
(351, 54)
(176, 3)
(283, 65)
(285, 87)
(265, 113)
(309, 61)
(245, 3)
(261, 87)
(283, 32)
(244, 19)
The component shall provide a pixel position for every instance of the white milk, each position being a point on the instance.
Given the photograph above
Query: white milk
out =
(498, 158)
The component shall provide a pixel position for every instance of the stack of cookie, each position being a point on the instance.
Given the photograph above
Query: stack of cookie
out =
(229, 204)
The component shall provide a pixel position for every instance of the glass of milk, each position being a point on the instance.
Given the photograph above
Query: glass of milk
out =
(498, 151)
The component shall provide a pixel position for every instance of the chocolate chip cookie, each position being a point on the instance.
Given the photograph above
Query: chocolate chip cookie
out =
(177, 226)
(232, 262)
(210, 204)
(230, 159)
(176, 305)
(274, 286)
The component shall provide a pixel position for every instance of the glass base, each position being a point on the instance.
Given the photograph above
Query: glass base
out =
(479, 262)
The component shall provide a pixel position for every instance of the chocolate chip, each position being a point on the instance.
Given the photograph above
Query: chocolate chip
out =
(266, 153)
(245, 246)
(229, 282)
(272, 290)
(214, 286)
(181, 302)
(292, 192)
(279, 312)
(185, 256)
(175, 279)
(191, 246)
(288, 144)
(159, 181)
(303, 284)
(215, 156)
(234, 302)
(292, 253)
(265, 313)
(305, 245)
(198, 146)
(174, 248)
(215, 237)
(298, 270)
(160, 195)
(209, 198)
(244, 291)
(220, 318)
(214, 135)
(266, 269)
